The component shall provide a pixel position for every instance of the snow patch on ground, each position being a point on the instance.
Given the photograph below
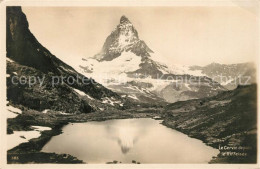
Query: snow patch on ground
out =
(16, 138)
(79, 92)
(67, 69)
(102, 109)
(83, 94)
(107, 100)
(64, 113)
(91, 98)
(12, 112)
(41, 128)
(133, 97)
(9, 60)
(45, 111)
(19, 137)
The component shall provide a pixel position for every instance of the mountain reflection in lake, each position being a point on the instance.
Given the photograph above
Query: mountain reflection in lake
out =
(143, 140)
(125, 132)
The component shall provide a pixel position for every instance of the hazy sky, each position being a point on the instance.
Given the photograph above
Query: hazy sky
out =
(186, 35)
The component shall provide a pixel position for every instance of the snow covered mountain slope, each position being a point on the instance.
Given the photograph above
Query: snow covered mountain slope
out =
(128, 66)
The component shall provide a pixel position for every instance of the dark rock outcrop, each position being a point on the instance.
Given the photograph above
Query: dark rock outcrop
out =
(30, 59)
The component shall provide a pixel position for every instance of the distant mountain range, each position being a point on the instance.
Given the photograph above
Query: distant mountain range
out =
(230, 76)
(129, 67)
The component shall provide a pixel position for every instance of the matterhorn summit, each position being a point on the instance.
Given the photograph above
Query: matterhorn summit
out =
(123, 39)
(126, 65)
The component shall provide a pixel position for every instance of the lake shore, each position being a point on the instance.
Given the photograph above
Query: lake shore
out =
(30, 152)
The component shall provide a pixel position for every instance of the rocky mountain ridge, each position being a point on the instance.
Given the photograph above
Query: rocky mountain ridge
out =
(26, 57)
(229, 75)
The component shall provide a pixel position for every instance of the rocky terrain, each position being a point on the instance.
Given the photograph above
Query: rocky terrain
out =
(227, 119)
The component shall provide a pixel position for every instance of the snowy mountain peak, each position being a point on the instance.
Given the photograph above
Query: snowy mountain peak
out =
(128, 66)
(124, 38)
(124, 52)
(124, 19)
(126, 28)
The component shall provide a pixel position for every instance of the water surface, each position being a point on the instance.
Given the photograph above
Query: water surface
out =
(143, 140)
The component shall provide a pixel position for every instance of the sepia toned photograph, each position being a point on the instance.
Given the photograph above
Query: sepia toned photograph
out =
(131, 84)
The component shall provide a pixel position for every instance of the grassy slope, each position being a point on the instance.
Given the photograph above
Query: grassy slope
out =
(228, 119)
